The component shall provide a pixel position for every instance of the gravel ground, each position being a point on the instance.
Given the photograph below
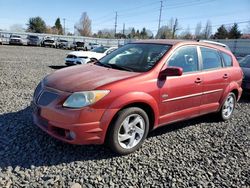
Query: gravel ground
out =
(196, 153)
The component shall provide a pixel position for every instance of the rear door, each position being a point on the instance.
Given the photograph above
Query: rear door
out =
(216, 77)
(180, 96)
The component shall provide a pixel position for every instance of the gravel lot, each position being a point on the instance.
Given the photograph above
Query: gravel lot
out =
(196, 153)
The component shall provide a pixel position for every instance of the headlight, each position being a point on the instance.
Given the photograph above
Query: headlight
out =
(85, 98)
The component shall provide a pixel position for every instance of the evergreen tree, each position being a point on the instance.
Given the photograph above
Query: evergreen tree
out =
(36, 25)
(221, 33)
(58, 26)
(234, 32)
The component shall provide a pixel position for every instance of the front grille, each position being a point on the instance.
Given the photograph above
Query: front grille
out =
(46, 98)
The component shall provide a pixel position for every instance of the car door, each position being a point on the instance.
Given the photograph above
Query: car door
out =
(180, 96)
(215, 79)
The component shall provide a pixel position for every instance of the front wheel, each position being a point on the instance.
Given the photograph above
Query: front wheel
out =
(228, 107)
(128, 131)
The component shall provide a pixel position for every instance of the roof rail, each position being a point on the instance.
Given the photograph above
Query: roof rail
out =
(215, 43)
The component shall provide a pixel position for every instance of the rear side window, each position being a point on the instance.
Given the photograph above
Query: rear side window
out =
(210, 58)
(227, 60)
(186, 58)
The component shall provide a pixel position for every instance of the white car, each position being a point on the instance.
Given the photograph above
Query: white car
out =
(16, 40)
(83, 57)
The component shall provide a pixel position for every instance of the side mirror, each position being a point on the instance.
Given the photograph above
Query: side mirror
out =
(171, 71)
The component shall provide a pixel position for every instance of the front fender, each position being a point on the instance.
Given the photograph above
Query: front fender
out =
(125, 100)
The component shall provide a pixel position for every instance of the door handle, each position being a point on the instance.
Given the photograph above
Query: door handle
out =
(198, 80)
(225, 76)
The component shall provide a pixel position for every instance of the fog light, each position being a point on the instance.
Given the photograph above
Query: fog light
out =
(70, 135)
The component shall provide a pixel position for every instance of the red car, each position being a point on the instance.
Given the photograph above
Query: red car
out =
(135, 89)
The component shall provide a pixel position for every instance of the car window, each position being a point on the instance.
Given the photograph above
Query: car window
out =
(186, 58)
(245, 62)
(137, 57)
(228, 62)
(210, 58)
(101, 49)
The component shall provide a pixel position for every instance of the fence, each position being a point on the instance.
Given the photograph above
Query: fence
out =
(239, 47)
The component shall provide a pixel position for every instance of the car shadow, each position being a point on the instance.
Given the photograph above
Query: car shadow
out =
(23, 144)
(56, 67)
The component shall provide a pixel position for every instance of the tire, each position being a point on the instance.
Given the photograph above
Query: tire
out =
(132, 124)
(228, 107)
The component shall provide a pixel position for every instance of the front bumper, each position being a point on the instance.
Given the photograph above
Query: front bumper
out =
(85, 124)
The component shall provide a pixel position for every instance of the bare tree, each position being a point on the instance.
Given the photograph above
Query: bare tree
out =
(175, 28)
(17, 28)
(207, 30)
(198, 30)
(84, 25)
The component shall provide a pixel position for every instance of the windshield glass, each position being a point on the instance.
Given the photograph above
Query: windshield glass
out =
(101, 49)
(33, 37)
(245, 62)
(139, 57)
(15, 36)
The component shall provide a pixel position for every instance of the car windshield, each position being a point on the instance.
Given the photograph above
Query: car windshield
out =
(245, 62)
(33, 37)
(101, 49)
(15, 36)
(137, 57)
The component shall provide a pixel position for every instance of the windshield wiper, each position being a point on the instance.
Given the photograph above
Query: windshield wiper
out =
(121, 67)
(96, 62)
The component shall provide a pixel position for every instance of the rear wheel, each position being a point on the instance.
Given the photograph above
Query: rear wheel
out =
(228, 106)
(128, 131)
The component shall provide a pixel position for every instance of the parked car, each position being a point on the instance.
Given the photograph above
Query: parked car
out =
(91, 46)
(16, 40)
(1, 42)
(83, 57)
(60, 43)
(245, 65)
(33, 40)
(135, 89)
(48, 42)
(78, 45)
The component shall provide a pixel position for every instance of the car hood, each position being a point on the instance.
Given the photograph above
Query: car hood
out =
(246, 72)
(85, 77)
(16, 38)
(87, 54)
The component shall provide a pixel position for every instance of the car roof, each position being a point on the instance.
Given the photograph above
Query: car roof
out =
(176, 42)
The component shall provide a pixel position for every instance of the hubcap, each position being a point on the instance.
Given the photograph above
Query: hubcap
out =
(131, 131)
(228, 106)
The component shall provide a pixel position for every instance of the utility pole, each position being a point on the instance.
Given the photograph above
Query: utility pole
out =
(115, 22)
(159, 24)
(123, 30)
(64, 26)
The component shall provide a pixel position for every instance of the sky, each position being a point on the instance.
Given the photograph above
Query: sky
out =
(138, 14)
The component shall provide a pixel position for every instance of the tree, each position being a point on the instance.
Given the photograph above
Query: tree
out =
(207, 30)
(17, 28)
(58, 26)
(198, 30)
(221, 33)
(165, 32)
(84, 25)
(144, 34)
(36, 25)
(234, 32)
(175, 28)
(186, 34)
